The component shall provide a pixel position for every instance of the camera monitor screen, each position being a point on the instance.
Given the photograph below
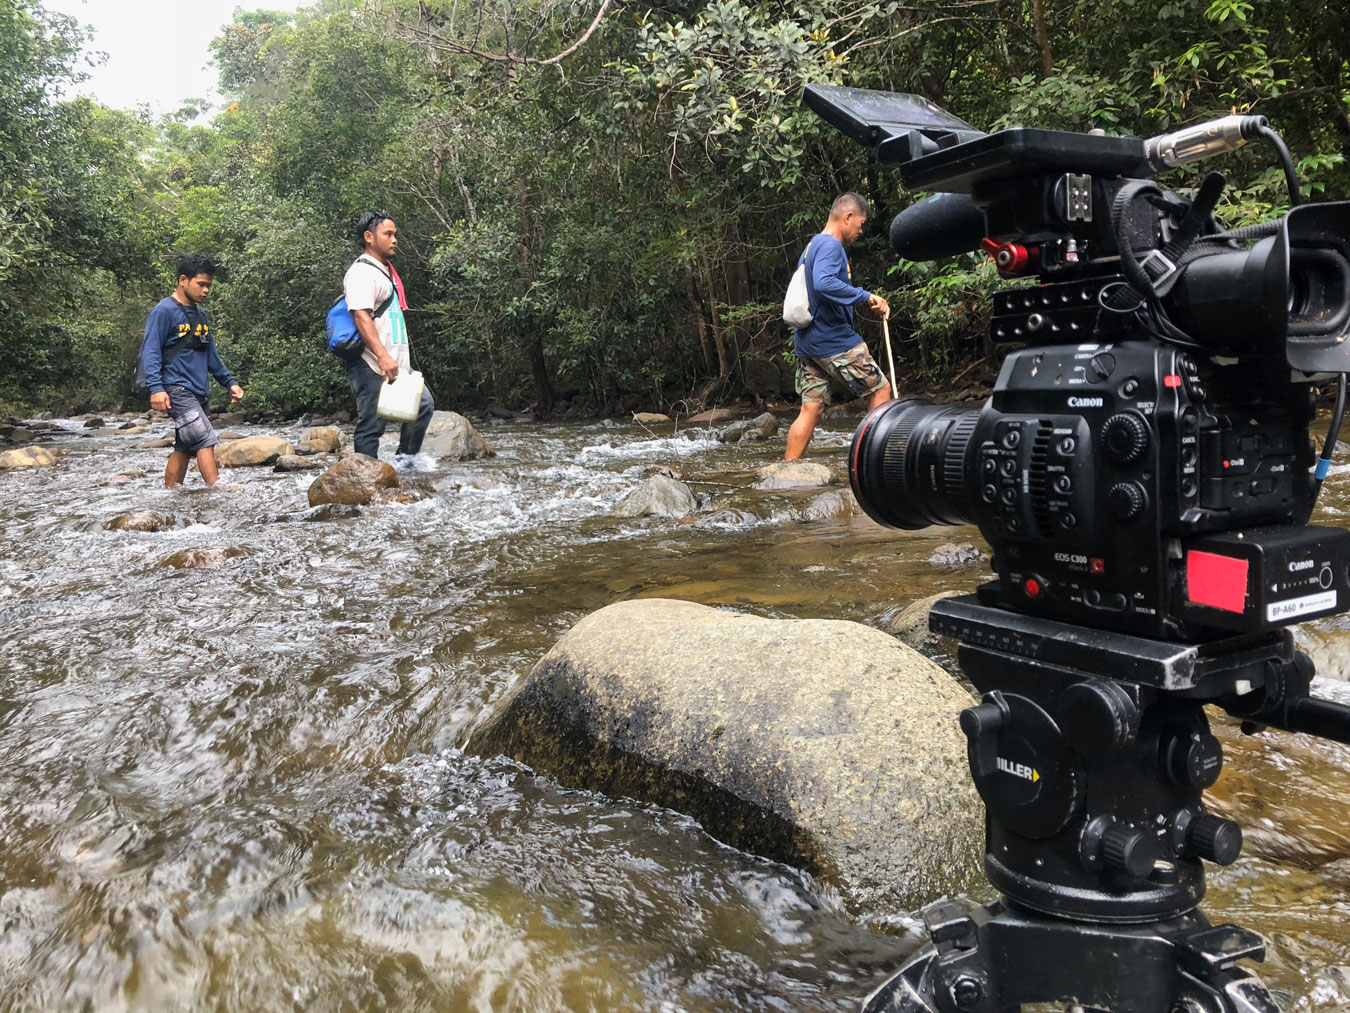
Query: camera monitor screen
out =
(871, 117)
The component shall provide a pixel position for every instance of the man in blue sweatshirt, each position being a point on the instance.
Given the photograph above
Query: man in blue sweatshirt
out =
(178, 352)
(829, 346)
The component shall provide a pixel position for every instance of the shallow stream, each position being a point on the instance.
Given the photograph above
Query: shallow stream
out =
(229, 766)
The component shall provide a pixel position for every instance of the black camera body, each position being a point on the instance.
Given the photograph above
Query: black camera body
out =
(1144, 464)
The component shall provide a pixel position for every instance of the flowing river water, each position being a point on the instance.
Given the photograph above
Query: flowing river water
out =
(230, 774)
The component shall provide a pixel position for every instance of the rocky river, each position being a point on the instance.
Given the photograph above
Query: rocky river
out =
(230, 764)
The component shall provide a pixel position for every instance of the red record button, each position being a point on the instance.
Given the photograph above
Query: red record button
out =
(1172, 380)
(1032, 587)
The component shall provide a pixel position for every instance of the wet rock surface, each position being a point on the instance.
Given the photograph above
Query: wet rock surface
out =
(762, 427)
(450, 436)
(850, 766)
(793, 475)
(353, 481)
(28, 457)
(659, 496)
(252, 451)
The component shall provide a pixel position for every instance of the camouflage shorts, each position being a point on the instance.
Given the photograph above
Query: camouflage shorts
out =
(855, 369)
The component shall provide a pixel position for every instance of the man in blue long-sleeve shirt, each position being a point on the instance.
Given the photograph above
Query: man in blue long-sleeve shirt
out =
(829, 346)
(177, 354)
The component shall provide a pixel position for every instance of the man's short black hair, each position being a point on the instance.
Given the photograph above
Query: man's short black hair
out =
(192, 264)
(369, 222)
(847, 202)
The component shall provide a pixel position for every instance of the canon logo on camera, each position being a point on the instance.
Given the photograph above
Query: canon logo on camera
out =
(1086, 402)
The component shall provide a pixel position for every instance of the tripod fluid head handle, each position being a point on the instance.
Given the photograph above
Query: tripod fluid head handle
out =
(1283, 701)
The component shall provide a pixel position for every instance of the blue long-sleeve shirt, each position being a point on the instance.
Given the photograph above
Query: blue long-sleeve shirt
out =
(833, 296)
(170, 324)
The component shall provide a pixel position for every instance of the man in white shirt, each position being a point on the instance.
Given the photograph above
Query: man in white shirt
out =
(375, 298)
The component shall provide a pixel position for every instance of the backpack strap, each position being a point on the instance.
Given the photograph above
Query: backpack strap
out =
(393, 289)
(809, 262)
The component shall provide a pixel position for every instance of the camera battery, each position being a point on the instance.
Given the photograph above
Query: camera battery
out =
(1260, 578)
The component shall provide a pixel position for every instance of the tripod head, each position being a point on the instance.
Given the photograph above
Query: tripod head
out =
(1091, 750)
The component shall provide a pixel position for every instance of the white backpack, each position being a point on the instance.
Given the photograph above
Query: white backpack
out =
(797, 303)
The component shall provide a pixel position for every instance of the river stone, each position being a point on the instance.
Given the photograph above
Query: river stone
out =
(27, 457)
(252, 451)
(230, 434)
(44, 426)
(650, 418)
(325, 438)
(793, 475)
(451, 435)
(952, 554)
(660, 496)
(714, 415)
(303, 449)
(353, 481)
(294, 462)
(94, 423)
(167, 441)
(759, 428)
(821, 743)
(910, 624)
(231, 419)
(835, 505)
(140, 521)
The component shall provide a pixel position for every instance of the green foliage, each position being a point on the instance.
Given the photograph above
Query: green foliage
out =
(604, 214)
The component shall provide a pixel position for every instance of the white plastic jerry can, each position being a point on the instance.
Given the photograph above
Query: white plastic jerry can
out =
(400, 398)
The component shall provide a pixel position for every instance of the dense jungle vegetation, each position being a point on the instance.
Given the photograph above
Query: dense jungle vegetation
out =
(599, 202)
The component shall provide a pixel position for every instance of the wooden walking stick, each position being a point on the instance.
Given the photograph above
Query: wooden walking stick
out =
(890, 356)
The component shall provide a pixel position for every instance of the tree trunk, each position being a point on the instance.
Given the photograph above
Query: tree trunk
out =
(1043, 39)
(696, 304)
(718, 331)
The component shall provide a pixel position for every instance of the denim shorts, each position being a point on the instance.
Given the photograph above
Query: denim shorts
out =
(192, 429)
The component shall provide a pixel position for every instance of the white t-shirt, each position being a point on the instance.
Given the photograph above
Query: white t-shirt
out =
(366, 285)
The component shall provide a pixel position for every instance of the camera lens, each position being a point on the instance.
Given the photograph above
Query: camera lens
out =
(909, 463)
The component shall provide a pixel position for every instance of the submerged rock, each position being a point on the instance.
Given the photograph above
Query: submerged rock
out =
(650, 418)
(821, 743)
(133, 430)
(139, 521)
(230, 434)
(762, 427)
(167, 441)
(192, 559)
(450, 435)
(793, 475)
(95, 423)
(252, 451)
(353, 481)
(325, 439)
(660, 496)
(294, 462)
(27, 457)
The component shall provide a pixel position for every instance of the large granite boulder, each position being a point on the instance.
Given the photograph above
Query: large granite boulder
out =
(252, 451)
(820, 743)
(451, 435)
(353, 481)
(659, 496)
(27, 457)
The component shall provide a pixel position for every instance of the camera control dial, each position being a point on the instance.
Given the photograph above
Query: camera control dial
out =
(1127, 500)
(1126, 437)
